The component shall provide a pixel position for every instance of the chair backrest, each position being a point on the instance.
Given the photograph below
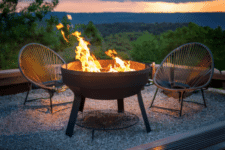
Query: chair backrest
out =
(40, 64)
(190, 64)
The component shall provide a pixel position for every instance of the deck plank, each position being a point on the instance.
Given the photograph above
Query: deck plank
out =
(196, 139)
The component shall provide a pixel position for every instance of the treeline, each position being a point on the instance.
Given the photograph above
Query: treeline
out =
(16, 30)
(133, 41)
(154, 28)
(19, 29)
(148, 47)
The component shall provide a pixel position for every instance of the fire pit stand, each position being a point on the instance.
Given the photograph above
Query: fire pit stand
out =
(106, 120)
(78, 105)
(104, 86)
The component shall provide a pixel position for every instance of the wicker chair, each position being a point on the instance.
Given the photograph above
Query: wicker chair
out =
(186, 69)
(41, 66)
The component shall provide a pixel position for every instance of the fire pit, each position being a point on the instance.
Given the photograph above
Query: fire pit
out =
(101, 79)
(104, 86)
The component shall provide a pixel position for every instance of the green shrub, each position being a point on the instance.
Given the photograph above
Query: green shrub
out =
(214, 39)
(50, 39)
(19, 30)
(146, 49)
(68, 54)
(9, 56)
(118, 42)
(91, 32)
(98, 52)
(123, 55)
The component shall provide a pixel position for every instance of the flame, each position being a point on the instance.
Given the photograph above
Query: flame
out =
(111, 69)
(68, 27)
(63, 34)
(60, 26)
(69, 17)
(123, 67)
(89, 62)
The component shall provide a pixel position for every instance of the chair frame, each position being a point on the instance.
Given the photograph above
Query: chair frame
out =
(50, 90)
(183, 91)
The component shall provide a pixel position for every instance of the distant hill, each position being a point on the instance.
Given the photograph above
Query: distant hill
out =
(202, 19)
(155, 28)
(112, 28)
(156, 23)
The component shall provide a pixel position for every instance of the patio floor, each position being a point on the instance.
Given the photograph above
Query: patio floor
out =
(32, 126)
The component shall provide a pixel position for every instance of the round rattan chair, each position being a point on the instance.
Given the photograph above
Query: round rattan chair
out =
(41, 66)
(185, 69)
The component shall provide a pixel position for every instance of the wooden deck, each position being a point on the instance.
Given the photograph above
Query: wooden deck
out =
(206, 138)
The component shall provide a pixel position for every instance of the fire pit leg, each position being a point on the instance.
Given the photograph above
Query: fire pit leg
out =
(82, 103)
(120, 103)
(144, 115)
(93, 134)
(73, 115)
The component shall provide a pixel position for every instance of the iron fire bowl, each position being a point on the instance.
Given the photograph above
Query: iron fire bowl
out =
(105, 85)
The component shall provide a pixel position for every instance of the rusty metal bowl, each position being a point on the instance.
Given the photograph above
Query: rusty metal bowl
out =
(105, 85)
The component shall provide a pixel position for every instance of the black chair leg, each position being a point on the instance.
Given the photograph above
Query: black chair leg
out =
(203, 97)
(27, 94)
(181, 95)
(154, 97)
(51, 95)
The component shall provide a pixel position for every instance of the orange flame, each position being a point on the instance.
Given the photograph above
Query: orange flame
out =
(89, 62)
(123, 67)
(60, 26)
(69, 17)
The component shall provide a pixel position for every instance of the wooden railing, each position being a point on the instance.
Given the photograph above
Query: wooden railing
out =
(11, 76)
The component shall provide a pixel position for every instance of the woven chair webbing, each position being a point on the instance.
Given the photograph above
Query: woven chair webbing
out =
(191, 64)
(40, 64)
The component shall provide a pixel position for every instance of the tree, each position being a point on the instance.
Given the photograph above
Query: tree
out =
(119, 42)
(93, 34)
(146, 49)
(170, 40)
(51, 23)
(217, 47)
(18, 29)
(11, 21)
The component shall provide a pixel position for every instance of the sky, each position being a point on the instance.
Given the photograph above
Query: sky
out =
(141, 6)
(138, 6)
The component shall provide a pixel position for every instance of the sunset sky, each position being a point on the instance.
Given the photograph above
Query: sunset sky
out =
(136, 6)
(140, 6)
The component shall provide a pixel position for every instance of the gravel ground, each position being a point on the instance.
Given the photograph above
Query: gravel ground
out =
(32, 126)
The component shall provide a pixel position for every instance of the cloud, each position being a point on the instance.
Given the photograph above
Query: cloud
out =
(91, 6)
(169, 1)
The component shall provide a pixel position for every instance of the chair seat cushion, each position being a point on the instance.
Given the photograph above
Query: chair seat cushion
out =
(165, 84)
(173, 85)
(177, 85)
(56, 83)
